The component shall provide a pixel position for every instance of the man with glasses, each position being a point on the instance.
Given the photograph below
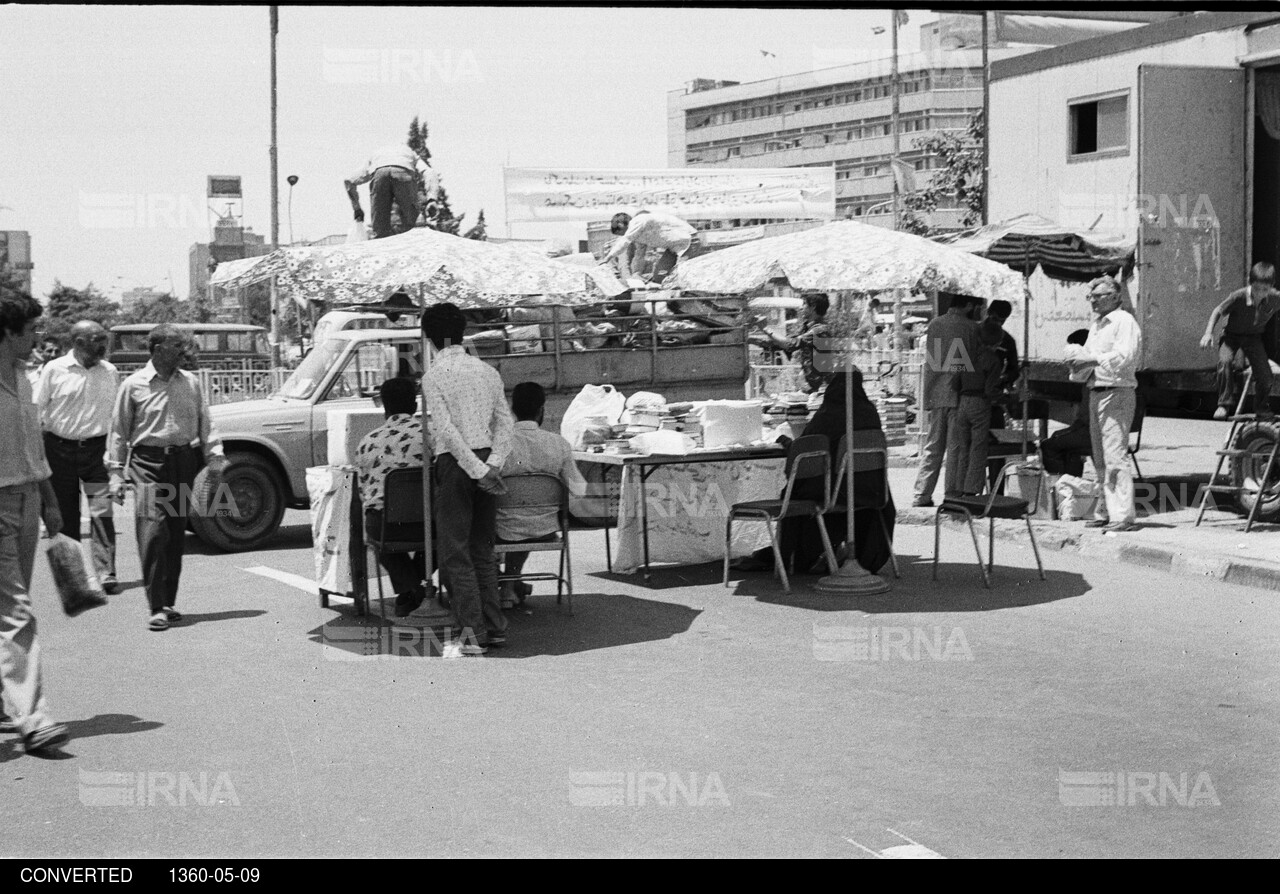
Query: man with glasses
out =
(1109, 358)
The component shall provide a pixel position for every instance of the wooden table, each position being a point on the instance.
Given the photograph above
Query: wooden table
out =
(647, 463)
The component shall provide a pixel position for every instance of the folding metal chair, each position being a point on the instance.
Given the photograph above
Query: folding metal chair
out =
(545, 494)
(872, 458)
(992, 506)
(808, 457)
(402, 529)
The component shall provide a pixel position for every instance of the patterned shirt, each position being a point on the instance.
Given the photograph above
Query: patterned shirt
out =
(153, 412)
(396, 444)
(21, 447)
(76, 401)
(535, 450)
(468, 410)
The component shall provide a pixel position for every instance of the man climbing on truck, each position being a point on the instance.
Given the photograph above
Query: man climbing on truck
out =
(1248, 311)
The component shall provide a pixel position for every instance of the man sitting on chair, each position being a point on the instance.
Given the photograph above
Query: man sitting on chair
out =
(533, 450)
(396, 444)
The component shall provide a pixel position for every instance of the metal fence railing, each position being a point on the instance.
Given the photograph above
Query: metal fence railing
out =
(224, 386)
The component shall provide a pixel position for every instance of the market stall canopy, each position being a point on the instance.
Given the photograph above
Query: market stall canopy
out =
(467, 272)
(847, 255)
(1065, 253)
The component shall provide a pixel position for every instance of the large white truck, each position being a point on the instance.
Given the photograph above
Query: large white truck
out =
(1170, 134)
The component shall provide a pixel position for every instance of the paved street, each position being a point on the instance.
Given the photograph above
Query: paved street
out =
(684, 720)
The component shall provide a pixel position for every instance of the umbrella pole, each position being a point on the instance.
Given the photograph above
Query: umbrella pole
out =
(851, 579)
(1026, 343)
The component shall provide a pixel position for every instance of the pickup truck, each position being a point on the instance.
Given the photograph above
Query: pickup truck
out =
(270, 443)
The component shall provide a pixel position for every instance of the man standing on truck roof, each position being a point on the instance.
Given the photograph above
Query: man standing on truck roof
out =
(392, 174)
(648, 230)
(1110, 358)
(1248, 312)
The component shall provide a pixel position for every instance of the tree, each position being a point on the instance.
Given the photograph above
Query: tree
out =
(478, 232)
(438, 215)
(958, 177)
(68, 306)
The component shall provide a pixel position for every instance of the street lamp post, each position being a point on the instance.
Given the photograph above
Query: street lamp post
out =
(275, 192)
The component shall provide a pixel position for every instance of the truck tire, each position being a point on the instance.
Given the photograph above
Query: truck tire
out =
(1246, 471)
(259, 501)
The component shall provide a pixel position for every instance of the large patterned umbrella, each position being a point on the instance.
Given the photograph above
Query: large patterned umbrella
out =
(467, 272)
(846, 255)
(1066, 253)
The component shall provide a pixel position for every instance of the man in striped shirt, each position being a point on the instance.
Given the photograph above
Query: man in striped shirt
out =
(470, 428)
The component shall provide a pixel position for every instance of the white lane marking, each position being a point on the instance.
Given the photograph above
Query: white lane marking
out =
(912, 850)
(304, 584)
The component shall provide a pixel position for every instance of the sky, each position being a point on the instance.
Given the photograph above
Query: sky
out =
(111, 118)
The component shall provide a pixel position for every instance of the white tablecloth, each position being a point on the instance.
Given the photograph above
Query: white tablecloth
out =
(687, 507)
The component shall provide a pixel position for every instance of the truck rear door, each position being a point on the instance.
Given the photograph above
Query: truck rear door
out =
(1191, 206)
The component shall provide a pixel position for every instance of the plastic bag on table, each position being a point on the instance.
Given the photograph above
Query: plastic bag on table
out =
(602, 401)
(74, 577)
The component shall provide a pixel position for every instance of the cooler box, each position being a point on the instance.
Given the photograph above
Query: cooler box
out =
(729, 422)
(347, 429)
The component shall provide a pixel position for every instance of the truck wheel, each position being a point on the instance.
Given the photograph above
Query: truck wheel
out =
(248, 509)
(1259, 438)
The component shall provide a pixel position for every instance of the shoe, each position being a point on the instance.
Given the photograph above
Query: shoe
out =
(473, 649)
(158, 622)
(408, 603)
(110, 586)
(47, 737)
(523, 589)
(497, 639)
(172, 614)
(6, 724)
(1120, 527)
(922, 501)
(1097, 523)
(1221, 413)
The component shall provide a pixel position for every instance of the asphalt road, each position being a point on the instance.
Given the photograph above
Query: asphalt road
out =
(685, 720)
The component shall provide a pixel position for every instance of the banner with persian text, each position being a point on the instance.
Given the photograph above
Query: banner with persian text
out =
(542, 194)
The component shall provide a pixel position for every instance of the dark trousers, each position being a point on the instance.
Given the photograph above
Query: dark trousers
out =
(73, 463)
(393, 185)
(1065, 451)
(406, 570)
(162, 494)
(465, 518)
(1233, 352)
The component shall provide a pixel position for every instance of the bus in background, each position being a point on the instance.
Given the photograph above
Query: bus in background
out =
(222, 346)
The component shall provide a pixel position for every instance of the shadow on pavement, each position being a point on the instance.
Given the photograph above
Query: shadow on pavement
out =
(288, 537)
(238, 614)
(667, 577)
(98, 725)
(539, 627)
(957, 589)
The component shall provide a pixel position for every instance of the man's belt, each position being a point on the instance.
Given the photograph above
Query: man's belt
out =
(150, 450)
(92, 439)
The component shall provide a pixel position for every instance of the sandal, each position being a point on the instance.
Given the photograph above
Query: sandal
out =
(158, 622)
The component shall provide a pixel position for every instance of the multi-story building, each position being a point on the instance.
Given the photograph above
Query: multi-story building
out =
(231, 242)
(15, 256)
(839, 117)
(132, 299)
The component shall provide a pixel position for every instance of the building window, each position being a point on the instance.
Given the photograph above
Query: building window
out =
(733, 152)
(1099, 125)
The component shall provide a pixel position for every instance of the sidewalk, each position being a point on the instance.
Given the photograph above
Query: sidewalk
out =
(1177, 457)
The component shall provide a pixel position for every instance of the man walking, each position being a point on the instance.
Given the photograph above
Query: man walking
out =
(470, 428)
(25, 497)
(392, 174)
(1110, 355)
(75, 395)
(951, 347)
(1248, 311)
(160, 415)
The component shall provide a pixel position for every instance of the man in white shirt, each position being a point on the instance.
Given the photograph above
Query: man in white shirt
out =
(470, 428)
(392, 174)
(648, 230)
(76, 393)
(1110, 355)
(533, 451)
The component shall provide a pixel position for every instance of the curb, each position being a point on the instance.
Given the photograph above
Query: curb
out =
(1093, 544)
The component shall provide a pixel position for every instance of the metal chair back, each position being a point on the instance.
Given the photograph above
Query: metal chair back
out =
(871, 455)
(402, 504)
(808, 457)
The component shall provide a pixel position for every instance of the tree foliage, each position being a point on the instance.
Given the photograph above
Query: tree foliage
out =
(957, 181)
(478, 232)
(438, 214)
(67, 306)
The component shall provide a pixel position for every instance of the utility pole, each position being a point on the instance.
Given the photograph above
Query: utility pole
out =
(894, 121)
(275, 192)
